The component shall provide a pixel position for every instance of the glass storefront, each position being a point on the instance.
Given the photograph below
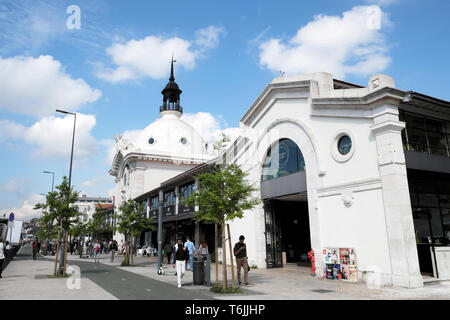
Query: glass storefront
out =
(283, 158)
(430, 202)
(425, 134)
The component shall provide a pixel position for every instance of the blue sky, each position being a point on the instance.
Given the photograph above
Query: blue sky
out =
(112, 69)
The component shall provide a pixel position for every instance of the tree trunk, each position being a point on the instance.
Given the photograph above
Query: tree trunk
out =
(131, 247)
(57, 252)
(216, 253)
(65, 253)
(126, 250)
(224, 258)
(231, 257)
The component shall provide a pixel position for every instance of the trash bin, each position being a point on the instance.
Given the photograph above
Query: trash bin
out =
(199, 270)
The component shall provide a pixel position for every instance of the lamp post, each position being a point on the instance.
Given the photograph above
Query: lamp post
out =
(53, 178)
(62, 262)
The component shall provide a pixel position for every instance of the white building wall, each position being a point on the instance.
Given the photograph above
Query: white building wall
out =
(348, 197)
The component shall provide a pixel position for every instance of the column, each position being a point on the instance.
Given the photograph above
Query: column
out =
(397, 206)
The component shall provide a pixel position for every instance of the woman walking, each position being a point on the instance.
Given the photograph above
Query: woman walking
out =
(96, 252)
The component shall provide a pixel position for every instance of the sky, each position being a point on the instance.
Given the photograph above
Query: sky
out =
(109, 60)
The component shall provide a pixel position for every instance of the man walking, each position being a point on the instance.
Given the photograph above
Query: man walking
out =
(240, 251)
(180, 256)
(168, 251)
(191, 248)
(112, 250)
(35, 248)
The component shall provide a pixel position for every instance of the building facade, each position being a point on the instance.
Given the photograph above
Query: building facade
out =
(361, 173)
(88, 205)
(167, 147)
(337, 169)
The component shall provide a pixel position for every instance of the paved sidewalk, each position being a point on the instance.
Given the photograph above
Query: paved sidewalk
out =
(27, 279)
(288, 283)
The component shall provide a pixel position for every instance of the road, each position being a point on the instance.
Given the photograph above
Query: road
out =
(125, 285)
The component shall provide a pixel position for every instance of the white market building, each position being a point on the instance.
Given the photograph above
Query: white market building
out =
(336, 168)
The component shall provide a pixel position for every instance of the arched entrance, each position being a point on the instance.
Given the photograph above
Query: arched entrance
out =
(283, 189)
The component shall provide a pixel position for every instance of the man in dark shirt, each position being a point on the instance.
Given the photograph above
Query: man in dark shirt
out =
(180, 256)
(240, 251)
(35, 248)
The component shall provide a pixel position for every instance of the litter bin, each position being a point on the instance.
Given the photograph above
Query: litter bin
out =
(199, 270)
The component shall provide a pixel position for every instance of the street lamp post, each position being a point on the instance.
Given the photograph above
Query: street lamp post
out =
(53, 178)
(62, 248)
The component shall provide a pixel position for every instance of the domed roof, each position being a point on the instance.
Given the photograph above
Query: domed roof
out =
(170, 136)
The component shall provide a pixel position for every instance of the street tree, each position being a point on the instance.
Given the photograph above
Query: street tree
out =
(132, 222)
(60, 211)
(223, 194)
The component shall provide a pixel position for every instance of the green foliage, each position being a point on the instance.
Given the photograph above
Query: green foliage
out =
(132, 221)
(228, 290)
(58, 208)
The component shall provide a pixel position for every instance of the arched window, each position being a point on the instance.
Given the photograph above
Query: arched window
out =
(283, 157)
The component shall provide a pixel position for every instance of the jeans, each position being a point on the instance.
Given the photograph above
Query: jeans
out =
(112, 252)
(96, 256)
(191, 260)
(180, 266)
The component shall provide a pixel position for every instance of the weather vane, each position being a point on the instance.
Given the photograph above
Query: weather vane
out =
(282, 73)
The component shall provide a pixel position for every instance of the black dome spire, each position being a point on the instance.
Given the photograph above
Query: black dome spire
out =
(171, 94)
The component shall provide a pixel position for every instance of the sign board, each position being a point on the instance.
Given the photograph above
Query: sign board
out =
(14, 232)
(11, 217)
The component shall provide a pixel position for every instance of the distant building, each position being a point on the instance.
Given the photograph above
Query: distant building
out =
(87, 205)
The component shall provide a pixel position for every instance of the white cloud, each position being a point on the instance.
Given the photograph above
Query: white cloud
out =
(351, 44)
(150, 57)
(25, 211)
(12, 185)
(39, 86)
(208, 38)
(52, 136)
(208, 126)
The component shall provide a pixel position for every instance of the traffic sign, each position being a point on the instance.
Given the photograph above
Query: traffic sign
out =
(11, 217)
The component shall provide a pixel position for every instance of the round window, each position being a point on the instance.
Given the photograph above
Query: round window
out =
(151, 140)
(344, 145)
(183, 140)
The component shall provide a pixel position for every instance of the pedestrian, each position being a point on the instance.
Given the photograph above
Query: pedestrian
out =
(35, 248)
(168, 249)
(112, 250)
(121, 247)
(80, 249)
(96, 252)
(240, 251)
(180, 256)
(203, 249)
(101, 246)
(191, 248)
(72, 244)
(91, 246)
(2, 255)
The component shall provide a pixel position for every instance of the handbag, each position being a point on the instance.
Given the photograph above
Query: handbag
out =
(248, 267)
